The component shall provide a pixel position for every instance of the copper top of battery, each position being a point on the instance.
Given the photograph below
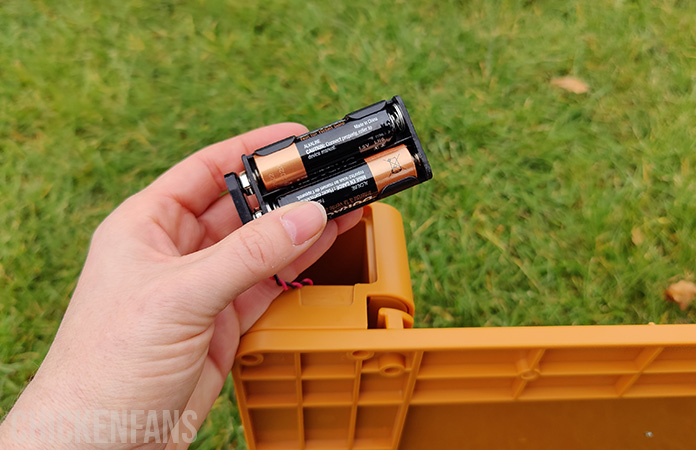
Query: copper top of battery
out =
(391, 166)
(281, 167)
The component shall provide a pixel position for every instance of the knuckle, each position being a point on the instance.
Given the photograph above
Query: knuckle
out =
(255, 251)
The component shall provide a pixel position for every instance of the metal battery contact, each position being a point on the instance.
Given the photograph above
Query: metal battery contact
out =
(245, 184)
(397, 117)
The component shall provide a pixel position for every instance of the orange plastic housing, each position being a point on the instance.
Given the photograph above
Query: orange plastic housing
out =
(338, 366)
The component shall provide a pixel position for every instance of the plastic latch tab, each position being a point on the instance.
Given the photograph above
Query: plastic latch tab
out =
(394, 319)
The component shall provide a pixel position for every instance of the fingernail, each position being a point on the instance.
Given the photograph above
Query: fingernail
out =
(304, 221)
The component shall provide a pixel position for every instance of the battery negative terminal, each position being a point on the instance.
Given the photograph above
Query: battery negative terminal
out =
(244, 183)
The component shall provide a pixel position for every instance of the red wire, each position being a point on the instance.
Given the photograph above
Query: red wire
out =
(294, 285)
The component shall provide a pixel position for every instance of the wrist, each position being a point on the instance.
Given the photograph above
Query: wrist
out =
(42, 428)
(42, 419)
(51, 415)
(39, 421)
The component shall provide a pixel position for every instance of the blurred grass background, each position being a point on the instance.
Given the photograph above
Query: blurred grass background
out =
(547, 207)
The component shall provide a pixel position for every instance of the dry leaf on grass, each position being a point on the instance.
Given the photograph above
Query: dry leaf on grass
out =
(637, 236)
(571, 84)
(682, 293)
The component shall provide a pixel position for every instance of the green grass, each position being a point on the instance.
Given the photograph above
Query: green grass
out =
(536, 194)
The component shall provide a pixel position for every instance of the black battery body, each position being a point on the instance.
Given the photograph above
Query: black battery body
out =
(369, 154)
(359, 185)
(321, 148)
(359, 133)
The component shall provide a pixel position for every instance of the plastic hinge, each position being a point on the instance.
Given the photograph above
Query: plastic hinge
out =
(394, 319)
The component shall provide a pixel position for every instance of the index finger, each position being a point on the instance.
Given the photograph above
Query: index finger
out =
(197, 181)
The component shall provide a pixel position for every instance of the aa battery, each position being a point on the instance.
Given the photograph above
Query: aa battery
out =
(313, 151)
(351, 189)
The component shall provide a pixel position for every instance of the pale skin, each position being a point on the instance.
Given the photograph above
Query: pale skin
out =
(170, 283)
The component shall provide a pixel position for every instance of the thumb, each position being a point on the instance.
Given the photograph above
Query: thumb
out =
(255, 252)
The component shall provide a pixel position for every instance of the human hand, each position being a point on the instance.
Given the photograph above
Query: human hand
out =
(170, 283)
